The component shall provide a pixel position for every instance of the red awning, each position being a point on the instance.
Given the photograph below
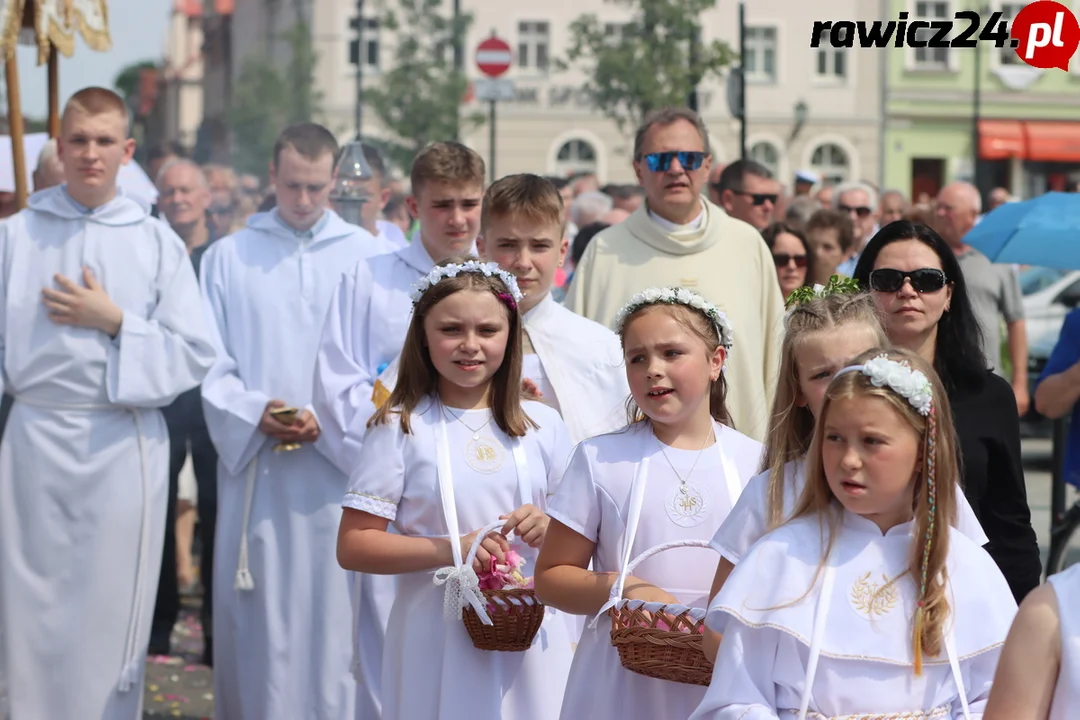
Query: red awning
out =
(1051, 141)
(1040, 140)
(1002, 139)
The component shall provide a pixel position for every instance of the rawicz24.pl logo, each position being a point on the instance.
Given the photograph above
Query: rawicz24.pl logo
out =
(1044, 34)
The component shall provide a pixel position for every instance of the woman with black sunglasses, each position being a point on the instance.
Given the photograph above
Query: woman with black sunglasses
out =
(791, 255)
(917, 284)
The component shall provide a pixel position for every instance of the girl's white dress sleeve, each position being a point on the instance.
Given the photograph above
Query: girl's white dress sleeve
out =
(378, 482)
(575, 503)
(743, 689)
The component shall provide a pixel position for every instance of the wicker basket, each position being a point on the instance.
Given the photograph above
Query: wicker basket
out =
(674, 653)
(516, 615)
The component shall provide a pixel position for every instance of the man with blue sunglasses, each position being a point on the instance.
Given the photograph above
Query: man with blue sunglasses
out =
(679, 238)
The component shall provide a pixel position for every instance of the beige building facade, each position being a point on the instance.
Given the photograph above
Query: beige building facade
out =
(550, 127)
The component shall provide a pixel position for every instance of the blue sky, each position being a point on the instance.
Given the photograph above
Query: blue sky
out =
(138, 29)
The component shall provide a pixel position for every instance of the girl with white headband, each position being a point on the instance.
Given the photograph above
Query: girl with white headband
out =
(451, 452)
(671, 476)
(867, 603)
(825, 329)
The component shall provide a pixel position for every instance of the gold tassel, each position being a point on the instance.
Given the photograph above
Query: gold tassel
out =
(917, 646)
(379, 394)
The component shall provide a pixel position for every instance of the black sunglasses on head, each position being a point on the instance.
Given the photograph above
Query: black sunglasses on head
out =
(923, 280)
(758, 198)
(862, 211)
(661, 161)
(782, 260)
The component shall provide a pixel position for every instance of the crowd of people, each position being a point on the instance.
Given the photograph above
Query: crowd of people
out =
(535, 386)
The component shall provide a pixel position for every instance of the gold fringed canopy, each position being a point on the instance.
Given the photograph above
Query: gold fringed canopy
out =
(54, 24)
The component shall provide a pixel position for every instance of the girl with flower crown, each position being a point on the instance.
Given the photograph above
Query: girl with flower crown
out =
(867, 603)
(672, 475)
(452, 450)
(827, 327)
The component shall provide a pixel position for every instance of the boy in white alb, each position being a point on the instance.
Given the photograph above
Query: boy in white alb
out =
(571, 363)
(363, 333)
(280, 598)
(575, 364)
(100, 327)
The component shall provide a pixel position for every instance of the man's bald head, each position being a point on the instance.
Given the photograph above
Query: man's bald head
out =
(183, 195)
(50, 168)
(956, 209)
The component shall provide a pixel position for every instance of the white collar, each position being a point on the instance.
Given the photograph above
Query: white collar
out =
(670, 227)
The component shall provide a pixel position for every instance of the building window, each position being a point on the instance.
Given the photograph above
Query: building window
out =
(831, 162)
(1009, 10)
(615, 33)
(832, 62)
(760, 55)
(766, 154)
(575, 156)
(930, 58)
(533, 44)
(371, 43)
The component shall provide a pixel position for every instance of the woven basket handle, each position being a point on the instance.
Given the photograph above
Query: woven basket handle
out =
(659, 549)
(480, 538)
(617, 588)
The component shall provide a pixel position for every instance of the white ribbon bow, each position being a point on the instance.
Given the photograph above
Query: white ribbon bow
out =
(462, 588)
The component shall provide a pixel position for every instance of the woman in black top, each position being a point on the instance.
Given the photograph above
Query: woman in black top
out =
(917, 284)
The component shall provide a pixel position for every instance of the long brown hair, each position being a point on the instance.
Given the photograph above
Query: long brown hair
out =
(934, 501)
(699, 325)
(417, 377)
(791, 426)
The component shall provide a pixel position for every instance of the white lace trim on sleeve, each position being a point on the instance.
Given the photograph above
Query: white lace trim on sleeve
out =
(380, 507)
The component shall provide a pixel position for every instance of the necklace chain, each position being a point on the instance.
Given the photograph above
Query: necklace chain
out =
(682, 480)
(475, 431)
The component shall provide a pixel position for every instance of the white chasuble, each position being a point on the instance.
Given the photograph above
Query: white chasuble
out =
(834, 639)
(727, 262)
(282, 608)
(85, 456)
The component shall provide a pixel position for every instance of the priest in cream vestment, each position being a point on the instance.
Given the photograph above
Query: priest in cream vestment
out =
(678, 237)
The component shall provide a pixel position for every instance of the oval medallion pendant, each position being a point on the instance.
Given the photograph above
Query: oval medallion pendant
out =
(484, 455)
(688, 505)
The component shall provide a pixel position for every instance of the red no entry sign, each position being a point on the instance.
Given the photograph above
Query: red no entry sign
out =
(493, 57)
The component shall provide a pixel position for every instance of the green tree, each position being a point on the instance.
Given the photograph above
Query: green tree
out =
(127, 80)
(268, 98)
(654, 60)
(419, 99)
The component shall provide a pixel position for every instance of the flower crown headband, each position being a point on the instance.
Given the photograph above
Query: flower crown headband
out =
(678, 296)
(512, 298)
(836, 286)
(913, 386)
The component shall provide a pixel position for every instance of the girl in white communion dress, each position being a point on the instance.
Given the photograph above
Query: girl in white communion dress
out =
(865, 604)
(671, 476)
(455, 449)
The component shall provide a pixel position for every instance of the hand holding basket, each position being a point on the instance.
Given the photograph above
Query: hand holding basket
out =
(659, 640)
(505, 620)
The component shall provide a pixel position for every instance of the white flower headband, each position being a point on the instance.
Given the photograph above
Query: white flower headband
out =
(678, 296)
(909, 384)
(469, 266)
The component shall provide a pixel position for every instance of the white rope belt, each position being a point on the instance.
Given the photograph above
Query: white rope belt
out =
(132, 656)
